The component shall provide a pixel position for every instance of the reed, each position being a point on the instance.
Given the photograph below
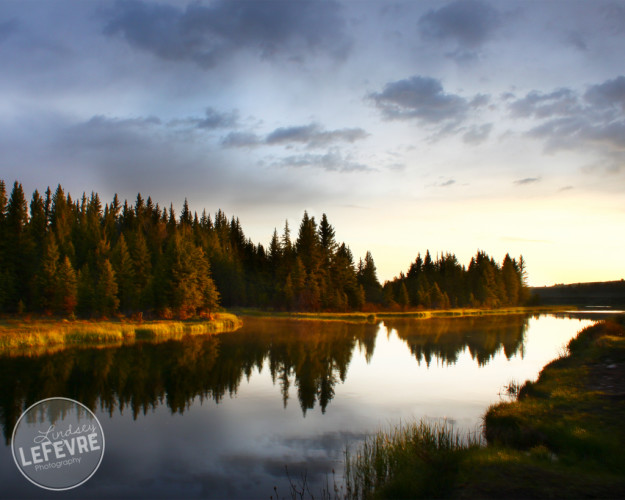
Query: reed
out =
(415, 460)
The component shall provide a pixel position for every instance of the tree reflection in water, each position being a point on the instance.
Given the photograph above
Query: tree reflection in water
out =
(313, 356)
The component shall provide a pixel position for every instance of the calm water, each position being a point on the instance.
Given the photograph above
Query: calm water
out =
(221, 416)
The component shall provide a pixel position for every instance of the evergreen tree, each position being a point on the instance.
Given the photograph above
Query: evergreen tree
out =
(368, 278)
(19, 248)
(47, 281)
(402, 296)
(142, 271)
(124, 271)
(86, 293)
(106, 292)
(326, 238)
(66, 294)
(38, 223)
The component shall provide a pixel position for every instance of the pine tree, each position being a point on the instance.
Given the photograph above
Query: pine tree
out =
(47, 281)
(368, 278)
(307, 245)
(326, 239)
(86, 295)
(66, 294)
(106, 292)
(142, 271)
(38, 222)
(275, 251)
(402, 296)
(18, 247)
(124, 271)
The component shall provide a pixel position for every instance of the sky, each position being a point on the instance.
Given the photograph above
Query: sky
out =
(448, 126)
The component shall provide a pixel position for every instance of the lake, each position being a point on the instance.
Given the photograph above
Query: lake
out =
(226, 415)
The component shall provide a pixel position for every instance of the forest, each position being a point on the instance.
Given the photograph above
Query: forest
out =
(66, 257)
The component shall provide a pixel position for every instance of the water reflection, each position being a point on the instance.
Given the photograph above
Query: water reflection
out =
(310, 356)
(445, 339)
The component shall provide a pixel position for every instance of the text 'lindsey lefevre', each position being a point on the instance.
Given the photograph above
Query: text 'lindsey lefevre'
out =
(61, 444)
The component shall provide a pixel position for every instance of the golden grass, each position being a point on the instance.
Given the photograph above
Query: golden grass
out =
(359, 317)
(19, 335)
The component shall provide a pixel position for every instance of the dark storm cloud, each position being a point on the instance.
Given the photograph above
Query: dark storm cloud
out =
(311, 136)
(206, 34)
(314, 136)
(467, 23)
(421, 98)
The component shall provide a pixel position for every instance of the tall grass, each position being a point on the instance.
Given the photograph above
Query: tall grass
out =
(19, 336)
(416, 460)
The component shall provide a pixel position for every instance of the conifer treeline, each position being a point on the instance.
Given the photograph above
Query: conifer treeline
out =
(65, 256)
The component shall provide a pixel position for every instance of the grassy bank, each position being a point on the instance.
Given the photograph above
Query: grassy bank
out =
(359, 317)
(563, 437)
(25, 334)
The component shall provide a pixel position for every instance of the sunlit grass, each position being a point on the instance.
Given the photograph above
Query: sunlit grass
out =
(415, 460)
(21, 335)
(371, 317)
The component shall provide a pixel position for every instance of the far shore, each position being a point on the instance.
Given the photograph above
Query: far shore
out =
(359, 317)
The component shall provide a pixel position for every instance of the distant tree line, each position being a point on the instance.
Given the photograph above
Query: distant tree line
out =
(65, 256)
(444, 283)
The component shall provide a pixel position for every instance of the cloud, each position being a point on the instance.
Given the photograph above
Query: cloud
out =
(214, 120)
(241, 140)
(332, 161)
(140, 154)
(101, 132)
(477, 134)
(467, 23)
(535, 104)
(207, 34)
(610, 93)
(311, 136)
(527, 180)
(594, 121)
(421, 98)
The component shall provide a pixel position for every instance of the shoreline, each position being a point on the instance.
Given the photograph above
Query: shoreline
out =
(19, 335)
(31, 335)
(561, 437)
(371, 317)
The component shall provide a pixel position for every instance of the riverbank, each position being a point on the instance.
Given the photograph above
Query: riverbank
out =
(19, 335)
(563, 437)
(372, 317)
